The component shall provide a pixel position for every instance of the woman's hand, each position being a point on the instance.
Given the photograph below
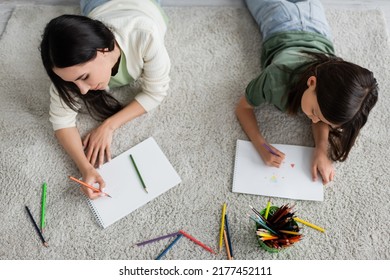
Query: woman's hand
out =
(93, 178)
(322, 164)
(97, 145)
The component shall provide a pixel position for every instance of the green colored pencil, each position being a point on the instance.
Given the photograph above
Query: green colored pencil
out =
(43, 209)
(139, 174)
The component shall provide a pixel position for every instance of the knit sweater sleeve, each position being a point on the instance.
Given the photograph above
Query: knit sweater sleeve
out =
(148, 45)
(61, 116)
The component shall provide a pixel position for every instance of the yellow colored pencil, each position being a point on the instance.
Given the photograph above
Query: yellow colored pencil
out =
(264, 234)
(222, 226)
(308, 224)
(267, 209)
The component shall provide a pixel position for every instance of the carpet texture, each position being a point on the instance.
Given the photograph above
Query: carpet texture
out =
(215, 53)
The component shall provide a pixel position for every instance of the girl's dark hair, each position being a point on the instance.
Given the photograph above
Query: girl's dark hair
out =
(69, 40)
(345, 92)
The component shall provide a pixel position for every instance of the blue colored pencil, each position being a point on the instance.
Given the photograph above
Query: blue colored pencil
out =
(169, 246)
(263, 225)
(228, 235)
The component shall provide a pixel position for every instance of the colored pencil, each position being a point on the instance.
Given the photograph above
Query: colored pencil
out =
(37, 228)
(156, 239)
(267, 209)
(270, 150)
(228, 234)
(262, 224)
(138, 173)
(169, 247)
(88, 186)
(229, 256)
(43, 206)
(290, 232)
(308, 224)
(196, 241)
(222, 226)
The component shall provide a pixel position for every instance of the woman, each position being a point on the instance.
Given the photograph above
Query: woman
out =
(112, 44)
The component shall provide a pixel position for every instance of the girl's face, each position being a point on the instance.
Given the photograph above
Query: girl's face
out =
(310, 105)
(92, 75)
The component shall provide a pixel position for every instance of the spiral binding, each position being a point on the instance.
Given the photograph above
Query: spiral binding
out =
(235, 165)
(94, 212)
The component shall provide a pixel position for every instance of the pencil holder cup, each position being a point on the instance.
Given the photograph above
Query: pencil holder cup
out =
(275, 246)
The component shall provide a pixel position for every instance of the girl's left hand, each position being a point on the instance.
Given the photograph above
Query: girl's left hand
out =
(322, 164)
(97, 145)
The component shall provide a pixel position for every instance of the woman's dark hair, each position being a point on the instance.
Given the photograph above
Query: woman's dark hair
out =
(69, 40)
(345, 92)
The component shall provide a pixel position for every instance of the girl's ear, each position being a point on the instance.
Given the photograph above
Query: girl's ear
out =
(312, 81)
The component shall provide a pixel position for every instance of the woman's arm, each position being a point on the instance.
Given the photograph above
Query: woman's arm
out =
(70, 140)
(321, 161)
(247, 119)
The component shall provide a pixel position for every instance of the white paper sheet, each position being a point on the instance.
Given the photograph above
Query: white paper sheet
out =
(292, 180)
(124, 185)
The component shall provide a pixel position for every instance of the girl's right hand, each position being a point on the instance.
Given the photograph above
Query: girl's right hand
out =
(93, 178)
(271, 156)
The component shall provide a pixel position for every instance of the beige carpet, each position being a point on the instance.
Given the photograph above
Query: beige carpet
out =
(215, 53)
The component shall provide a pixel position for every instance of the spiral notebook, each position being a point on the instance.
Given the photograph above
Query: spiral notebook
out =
(291, 180)
(124, 185)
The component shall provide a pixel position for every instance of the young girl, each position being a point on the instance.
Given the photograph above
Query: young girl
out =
(119, 41)
(300, 71)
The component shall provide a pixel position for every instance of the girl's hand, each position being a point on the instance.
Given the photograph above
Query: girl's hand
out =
(92, 177)
(97, 145)
(271, 156)
(324, 165)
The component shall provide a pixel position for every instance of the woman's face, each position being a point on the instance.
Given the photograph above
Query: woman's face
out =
(92, 75)
(309, 103)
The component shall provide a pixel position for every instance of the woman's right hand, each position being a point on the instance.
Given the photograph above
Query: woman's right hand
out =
(93, 178)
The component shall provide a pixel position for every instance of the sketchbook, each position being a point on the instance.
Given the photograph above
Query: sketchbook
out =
(291, 180)
(124, 185)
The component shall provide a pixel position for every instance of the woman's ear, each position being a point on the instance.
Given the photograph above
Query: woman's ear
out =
(312, 81)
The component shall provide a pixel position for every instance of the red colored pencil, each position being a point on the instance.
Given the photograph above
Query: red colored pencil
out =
(196, 241)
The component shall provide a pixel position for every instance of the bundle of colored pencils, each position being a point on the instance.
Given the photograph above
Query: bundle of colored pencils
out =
(276, 227)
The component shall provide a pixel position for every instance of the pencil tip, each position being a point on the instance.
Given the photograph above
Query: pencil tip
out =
(45, 244)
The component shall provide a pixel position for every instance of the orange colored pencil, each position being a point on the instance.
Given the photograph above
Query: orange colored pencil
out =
(229, 256)
(88, 186)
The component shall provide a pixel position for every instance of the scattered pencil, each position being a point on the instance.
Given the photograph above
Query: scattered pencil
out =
(308, 224)
(196, 241)
(37, 228)
(169, 247)
(228, 235)
(156, 239)
(229, 256)
(138, 173)
(222, 226)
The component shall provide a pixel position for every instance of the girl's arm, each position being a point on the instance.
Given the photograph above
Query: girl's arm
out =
(98, 141)
(321, 161)
(247, 119)
(70, 140)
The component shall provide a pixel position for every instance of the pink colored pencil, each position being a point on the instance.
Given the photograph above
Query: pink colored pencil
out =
(196, 241)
